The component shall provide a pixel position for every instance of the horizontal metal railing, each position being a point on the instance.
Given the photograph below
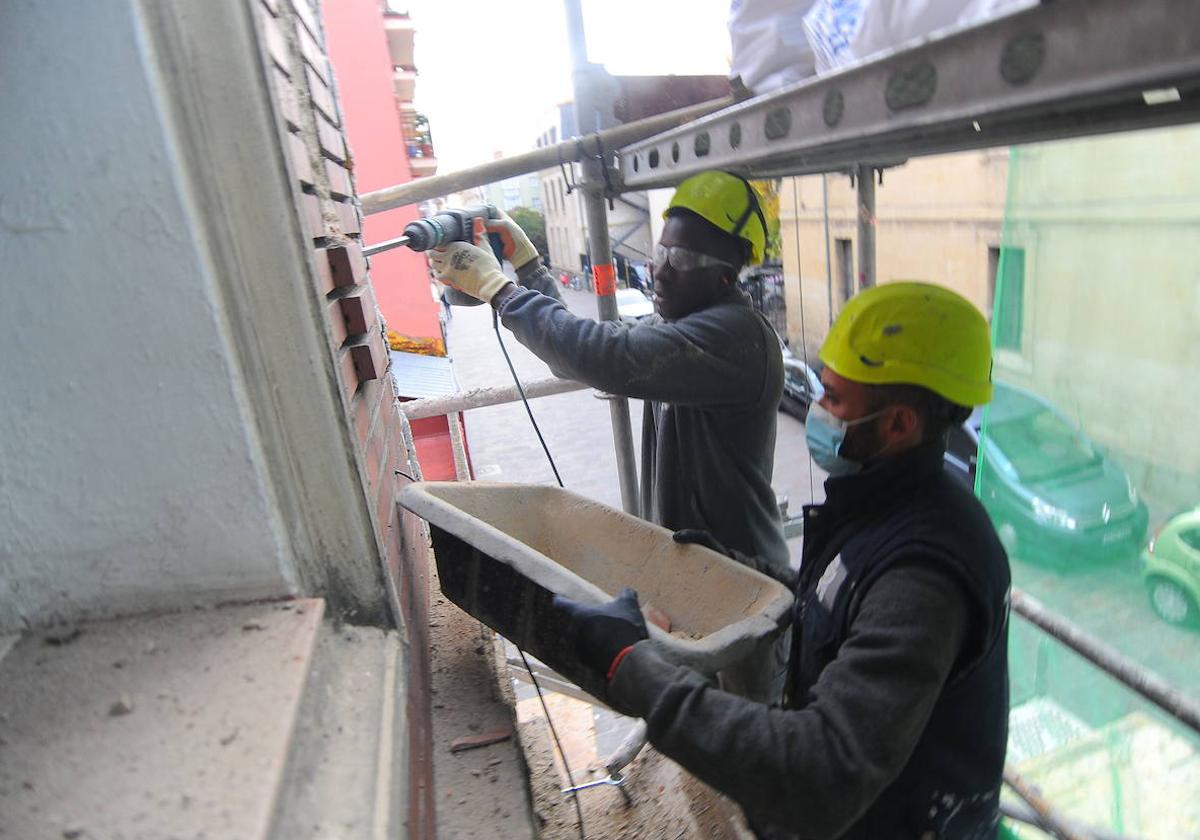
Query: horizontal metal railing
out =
(547, 157)
(1133, 676)
(484, 397)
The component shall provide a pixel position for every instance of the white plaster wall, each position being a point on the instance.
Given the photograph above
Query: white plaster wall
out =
(130, 478)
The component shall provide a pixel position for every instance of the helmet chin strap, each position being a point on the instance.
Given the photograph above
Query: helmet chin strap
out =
(752, 206)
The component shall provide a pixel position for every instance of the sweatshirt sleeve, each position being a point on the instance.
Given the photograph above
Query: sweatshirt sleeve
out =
(713, 358)
(816, 769)
(537, 277)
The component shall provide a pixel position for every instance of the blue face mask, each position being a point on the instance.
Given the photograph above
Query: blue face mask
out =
(826, 434)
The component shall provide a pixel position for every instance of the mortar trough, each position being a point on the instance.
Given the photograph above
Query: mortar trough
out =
(503, 551)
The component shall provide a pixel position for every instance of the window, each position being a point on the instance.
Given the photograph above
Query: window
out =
(1008, 296)
(1191, 538)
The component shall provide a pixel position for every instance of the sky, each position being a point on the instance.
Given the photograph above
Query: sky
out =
(491, 71)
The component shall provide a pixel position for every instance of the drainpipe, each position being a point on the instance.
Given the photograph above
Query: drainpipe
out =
(866, 226)
(828, 259)
(592, 187)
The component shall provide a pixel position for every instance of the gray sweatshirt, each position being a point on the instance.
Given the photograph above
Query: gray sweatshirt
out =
(816, 769)
(711, 382)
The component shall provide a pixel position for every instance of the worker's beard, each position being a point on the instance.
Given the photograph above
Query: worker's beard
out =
(863, 443)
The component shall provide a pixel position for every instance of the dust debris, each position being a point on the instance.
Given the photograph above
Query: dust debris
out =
(62, 635)
(470, 742)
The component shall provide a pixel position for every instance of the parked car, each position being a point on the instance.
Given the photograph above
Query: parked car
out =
(632, 303)
(1171, 569)
(1053, 496)
(801, 384)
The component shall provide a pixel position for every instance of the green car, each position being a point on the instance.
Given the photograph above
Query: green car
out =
(1171, 568)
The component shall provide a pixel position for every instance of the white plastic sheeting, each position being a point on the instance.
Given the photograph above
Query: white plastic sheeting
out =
(777, 42)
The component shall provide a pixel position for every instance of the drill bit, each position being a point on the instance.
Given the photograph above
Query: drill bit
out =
(398, 242)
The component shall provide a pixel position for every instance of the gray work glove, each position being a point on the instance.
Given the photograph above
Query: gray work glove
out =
(694, 536)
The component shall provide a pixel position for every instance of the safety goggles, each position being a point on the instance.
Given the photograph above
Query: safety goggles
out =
(683, 259)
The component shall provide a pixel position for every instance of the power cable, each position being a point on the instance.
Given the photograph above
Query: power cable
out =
(812, 489)
(532, 678)
(557, 743)
(524, 399)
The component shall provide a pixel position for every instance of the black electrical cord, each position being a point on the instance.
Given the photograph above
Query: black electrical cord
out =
(524, 399)
(557, 743)
(524, 661)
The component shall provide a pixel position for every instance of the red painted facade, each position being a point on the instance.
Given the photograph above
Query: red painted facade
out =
(362, 62)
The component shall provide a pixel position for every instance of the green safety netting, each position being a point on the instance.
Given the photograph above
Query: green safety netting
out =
(1089, 464)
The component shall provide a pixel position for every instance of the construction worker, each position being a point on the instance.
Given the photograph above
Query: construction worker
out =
(894, 720)
(709, 368)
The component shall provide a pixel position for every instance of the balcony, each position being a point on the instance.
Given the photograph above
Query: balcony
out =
(418, 142)
(422, 166)
(404, 82)
(399, 28)
(421, 159)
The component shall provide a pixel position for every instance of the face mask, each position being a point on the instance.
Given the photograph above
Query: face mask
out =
(825, 435)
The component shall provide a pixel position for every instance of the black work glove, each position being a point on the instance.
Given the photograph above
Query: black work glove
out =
(694, 536)
(600, 634)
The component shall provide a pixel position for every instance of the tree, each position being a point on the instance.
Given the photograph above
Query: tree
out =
(768, 199)
(534, 225)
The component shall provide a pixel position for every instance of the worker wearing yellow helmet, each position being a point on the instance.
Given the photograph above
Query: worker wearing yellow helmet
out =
(911, 355)
(708, 366)
(729, 204)
(894, 719)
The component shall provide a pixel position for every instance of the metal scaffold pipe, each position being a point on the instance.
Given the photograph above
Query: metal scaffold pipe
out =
(1131, 674)
(484, 397)
(568, 151)
(592, 185)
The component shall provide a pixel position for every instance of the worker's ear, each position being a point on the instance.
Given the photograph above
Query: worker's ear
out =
(902, 424)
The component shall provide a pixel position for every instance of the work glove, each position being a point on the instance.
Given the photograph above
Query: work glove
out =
(602, 635)
(694, 536)
(518, 250)
(469, 269)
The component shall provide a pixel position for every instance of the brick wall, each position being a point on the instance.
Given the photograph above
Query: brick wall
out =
(311, 130)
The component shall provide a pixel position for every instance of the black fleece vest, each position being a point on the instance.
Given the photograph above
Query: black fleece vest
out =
(900, 509)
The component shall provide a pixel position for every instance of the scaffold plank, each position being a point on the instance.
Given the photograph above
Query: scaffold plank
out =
(1056, 70)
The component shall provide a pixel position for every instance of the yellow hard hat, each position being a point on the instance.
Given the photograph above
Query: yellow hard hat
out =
(913, 334)
(729, 203)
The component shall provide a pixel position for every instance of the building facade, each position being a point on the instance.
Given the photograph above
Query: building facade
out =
(371, 50)
(204, 444)
(522, 191)
(937, 219)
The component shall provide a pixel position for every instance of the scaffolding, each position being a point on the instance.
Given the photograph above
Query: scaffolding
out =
(1070, 68)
